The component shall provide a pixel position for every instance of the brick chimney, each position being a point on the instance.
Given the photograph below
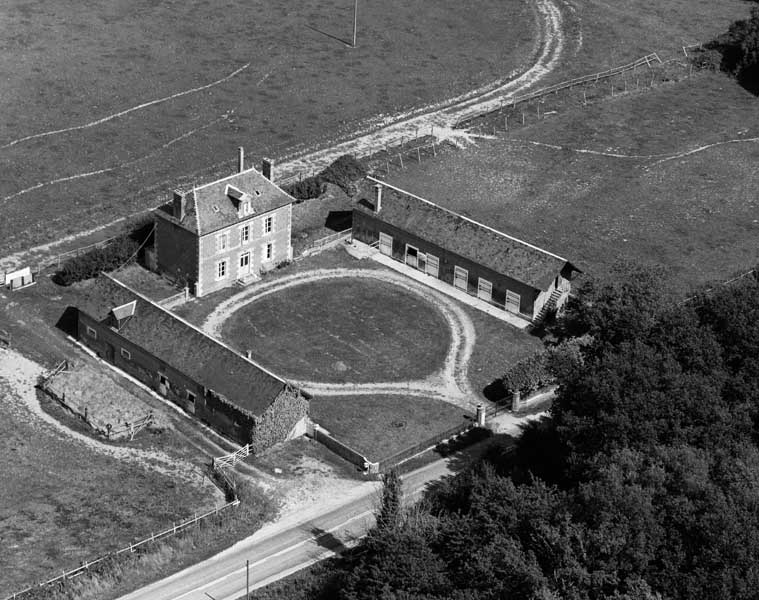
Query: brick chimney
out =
(179, 205)
(267, 168)
(240, 159)
(377, 197)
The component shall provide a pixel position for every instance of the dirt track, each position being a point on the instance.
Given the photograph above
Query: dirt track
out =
(449, 383)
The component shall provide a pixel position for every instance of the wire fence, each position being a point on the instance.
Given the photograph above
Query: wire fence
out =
(131, 548)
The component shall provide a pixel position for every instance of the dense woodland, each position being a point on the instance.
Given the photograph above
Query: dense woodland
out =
(643, 483)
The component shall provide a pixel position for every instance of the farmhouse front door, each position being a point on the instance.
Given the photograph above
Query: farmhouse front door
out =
(244, 268)
(109, 352)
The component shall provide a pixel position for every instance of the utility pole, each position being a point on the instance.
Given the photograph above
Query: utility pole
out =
(247, 580)
(355, 20)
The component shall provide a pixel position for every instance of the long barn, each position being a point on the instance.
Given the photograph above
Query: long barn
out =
(493, 266)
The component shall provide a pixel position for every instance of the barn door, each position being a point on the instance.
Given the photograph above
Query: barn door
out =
(460, 278)
(433, 266)
(385, 244)
(484, 289)
(163, 385)
(412, 256)
(512, 302)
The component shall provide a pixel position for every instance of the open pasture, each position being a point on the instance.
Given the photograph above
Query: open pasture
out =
(665, 176)
(110, 104)
(342, 330)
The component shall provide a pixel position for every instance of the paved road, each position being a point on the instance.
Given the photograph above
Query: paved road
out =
(280, 549)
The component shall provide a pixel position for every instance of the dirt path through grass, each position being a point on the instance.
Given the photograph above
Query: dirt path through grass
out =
(448, 383)
(437, 118)
(22, 375)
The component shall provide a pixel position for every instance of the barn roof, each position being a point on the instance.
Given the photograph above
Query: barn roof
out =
(184, 347)
(468, 238)
(213, 206)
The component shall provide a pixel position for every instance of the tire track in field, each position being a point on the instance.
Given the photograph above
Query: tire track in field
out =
(449, 383)
(380, 131)
(128, 110)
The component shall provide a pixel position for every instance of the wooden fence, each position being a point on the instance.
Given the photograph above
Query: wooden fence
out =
(58, 260)
(131, 548)
(645, 61)
(229, 460)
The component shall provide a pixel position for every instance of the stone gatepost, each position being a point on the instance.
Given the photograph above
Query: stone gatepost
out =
(516, 401)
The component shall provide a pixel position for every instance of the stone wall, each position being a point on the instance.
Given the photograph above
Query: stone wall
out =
(275, 424)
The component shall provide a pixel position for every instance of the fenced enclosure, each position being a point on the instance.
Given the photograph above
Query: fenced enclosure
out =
(131, 548)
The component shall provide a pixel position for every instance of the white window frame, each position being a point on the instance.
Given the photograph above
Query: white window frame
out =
(222, 241)
(457, 274)
(126, 354)
(268, 224)
(267, 254)
(433, 266)
(191, 397)
(222, 269)
(244, 255)
(92, 332)
(244, 234)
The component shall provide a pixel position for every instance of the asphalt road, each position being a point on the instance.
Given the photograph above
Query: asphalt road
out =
(283, 548)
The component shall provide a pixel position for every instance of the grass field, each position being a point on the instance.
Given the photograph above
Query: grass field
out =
(342, 330)
(61, 503)
(378, 426)
(275, 76)
(696, 214)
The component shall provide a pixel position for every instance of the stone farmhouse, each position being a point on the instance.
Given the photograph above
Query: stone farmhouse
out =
(500, 269)
(225, 231)
(234, 395)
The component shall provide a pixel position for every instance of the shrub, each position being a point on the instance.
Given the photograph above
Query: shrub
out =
(344, 172)
(97, 260)
(528, 375)
(306, 189)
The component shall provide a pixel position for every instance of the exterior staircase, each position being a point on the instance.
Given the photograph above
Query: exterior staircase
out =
(550, 305)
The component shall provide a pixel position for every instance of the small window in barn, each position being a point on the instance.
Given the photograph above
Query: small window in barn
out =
(91, 332)
(126, 354)
(221, 269)
(268, 224)
(191, 397)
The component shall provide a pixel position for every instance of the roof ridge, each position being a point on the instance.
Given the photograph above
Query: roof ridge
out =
(197, 329)
(501, 233)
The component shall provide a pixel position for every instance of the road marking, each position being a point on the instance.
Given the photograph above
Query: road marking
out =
(276, 554)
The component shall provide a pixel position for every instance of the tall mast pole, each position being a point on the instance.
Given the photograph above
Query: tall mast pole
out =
(355, 20)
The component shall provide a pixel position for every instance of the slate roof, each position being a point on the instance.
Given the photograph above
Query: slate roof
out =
(185, 348)
(200, 215)
(468, 238)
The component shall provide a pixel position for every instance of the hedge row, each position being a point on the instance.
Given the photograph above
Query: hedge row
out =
(97, 260)
(344, 172)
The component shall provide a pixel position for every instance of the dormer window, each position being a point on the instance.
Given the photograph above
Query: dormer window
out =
(121, 314)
